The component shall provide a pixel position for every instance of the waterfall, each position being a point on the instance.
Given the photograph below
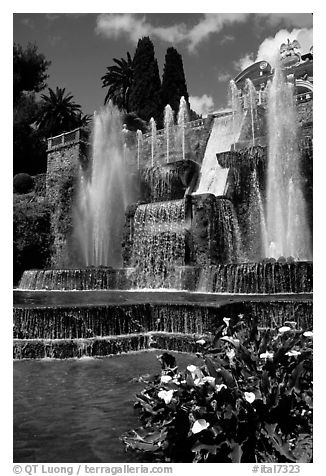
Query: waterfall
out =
(103, 194)
(159, 241)
(225, 132)
(287, 226)
(168, 124)
(252, 106)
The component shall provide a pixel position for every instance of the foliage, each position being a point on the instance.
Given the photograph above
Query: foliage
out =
(250, 401)
(118, 79)
(173, 80)
(29, 70)
(133, 122)
(144, 94)
(32, 234)
(23, 183)
(29, 145)
(59, 113)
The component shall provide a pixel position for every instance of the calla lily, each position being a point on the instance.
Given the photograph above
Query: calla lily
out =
(192, 368)
(227, 320)
(199, 426)
(284, 329)
(165, 395)
(293, 353)
(201, 341)
(250, 397)
(219, 387)
(308, 334)
(165, 378)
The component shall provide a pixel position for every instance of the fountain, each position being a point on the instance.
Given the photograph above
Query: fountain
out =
(152, 124)
(99, 227)
(287, 228)
(168, 124)
(230, 224)
(182, 119)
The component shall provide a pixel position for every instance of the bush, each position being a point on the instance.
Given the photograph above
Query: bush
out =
(32, 234)
(250, 400)
(23, 183)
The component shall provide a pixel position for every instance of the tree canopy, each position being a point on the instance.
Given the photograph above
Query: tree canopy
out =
(59, 113)
(144, 96)
(118, 79)
(29, 70)
(173, 81)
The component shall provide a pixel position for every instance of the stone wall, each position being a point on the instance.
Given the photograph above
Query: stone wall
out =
(63, 165)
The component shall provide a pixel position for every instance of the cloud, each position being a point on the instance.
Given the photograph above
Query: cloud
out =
(223, 77)
(114, 25)
(54, 39)
(269, 49)
(201, 104)
(28, 22)
(52, 16)
(300, 20)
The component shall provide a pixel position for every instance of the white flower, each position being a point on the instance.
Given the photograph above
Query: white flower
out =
(308, 334)
(293, 353)
(231, 354)
(198, 381)
(192, 368)
(249, 396)
(199, 426)
(219, 387)
(240, 316)
(267, 355)
(227, 320)
(284, 329)
(201, 341)
(165, 378)
(165, 395)
(210, 380)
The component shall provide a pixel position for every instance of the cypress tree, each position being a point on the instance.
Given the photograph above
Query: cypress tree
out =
(144, 95)
(173, 81)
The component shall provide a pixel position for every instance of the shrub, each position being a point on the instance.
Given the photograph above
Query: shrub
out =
(23, 183)
(32, 234)
(250, 400)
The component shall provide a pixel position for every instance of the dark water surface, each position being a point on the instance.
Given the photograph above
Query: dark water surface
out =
(71, 411)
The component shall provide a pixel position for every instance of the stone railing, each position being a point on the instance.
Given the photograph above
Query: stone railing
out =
(68, 138)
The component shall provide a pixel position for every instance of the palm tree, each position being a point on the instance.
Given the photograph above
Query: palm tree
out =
(118, 79)
(59, 113)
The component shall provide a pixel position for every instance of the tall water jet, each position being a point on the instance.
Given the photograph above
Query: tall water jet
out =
(168, 123)
(182, 119)
(287, 226)
(153, 137)
(237, 110)
(252, 105)
(139, 146)
(103, 194)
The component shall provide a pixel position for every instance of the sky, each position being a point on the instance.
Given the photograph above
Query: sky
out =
(215, 47)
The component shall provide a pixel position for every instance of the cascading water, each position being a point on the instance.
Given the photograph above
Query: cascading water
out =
(103, 194)
(168, 125)
(237, 109)
(159, 241)
(287, 227)
(152, 124)
(251, 96)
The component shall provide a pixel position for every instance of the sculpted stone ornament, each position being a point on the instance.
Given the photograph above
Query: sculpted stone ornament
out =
(290, 53)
